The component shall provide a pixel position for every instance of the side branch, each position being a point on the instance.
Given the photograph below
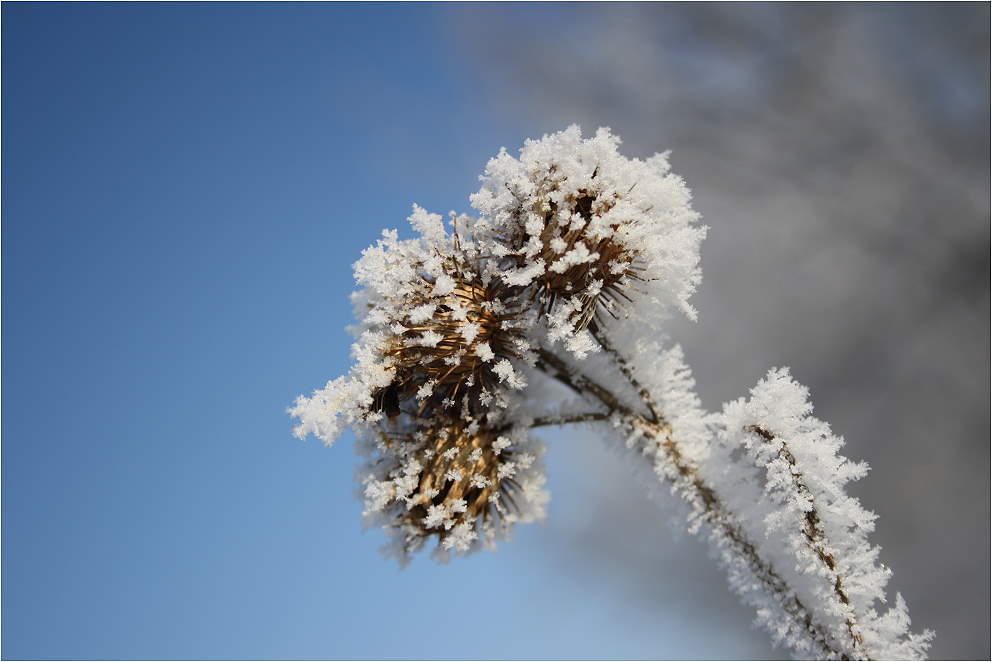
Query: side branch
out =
(813, 533)
(624, 367)
(546, 421)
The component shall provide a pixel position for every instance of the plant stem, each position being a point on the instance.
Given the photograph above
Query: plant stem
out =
(813, 534)
(624, 366)
(706, 505)
(546, 421)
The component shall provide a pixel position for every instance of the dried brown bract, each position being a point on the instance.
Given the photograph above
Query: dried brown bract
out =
(446, 351)
(467, 478)
(454, 480)
(581, 244)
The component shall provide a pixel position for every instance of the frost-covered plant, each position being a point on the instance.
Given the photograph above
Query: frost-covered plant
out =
(567, 276)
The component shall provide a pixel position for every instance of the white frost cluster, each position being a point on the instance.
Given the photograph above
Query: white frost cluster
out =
(418, 486)
(440, 355)
(410, 302)
(466, 337)
(595, 232)
(814, 533)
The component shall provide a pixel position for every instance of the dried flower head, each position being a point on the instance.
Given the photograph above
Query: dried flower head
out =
(450, 345)
(464, 484)
(583, 256)
(440, 334)
(440, 355)
(590, 230)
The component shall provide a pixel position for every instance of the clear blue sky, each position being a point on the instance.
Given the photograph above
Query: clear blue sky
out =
(185, 188)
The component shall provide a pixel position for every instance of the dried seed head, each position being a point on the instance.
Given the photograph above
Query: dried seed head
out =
(462, 483)
(588, 265)
(460, 477)
(590, 231)
(450, 352)
(440, 335)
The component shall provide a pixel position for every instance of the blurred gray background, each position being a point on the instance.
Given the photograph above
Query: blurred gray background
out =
(840, 156)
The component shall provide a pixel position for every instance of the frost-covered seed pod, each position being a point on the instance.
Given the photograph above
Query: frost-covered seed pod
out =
(590, 229)
(463, 483)
(581, 261)
(447, 352)
(463, 468)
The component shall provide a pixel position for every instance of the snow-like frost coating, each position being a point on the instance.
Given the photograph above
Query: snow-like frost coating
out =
(549, 309)
(813, 531)
(597, 233)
